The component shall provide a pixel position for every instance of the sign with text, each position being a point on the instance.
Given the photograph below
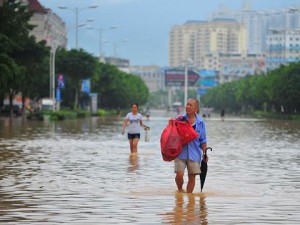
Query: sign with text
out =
(175, 77)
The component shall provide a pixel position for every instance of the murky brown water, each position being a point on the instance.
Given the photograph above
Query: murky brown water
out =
(80, 172)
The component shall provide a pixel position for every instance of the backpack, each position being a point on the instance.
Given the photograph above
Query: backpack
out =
(170, 142)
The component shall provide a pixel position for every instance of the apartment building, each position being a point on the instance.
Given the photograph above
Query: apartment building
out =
(236, 66)
(153, 76)
(202, 41)
(48, 25)
(259, 22)
(283, 47)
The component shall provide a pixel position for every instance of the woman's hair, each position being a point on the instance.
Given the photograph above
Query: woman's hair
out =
(137, 105)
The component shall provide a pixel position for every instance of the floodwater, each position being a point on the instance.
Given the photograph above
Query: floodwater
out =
(80, 172)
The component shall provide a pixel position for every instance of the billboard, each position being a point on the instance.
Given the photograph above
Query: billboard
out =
(175, 77)
(60, 81)
(208, 73)
(86, 86)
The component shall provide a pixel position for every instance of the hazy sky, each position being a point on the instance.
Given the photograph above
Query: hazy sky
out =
(145, 24)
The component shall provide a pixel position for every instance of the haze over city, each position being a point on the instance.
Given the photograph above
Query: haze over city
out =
(141, 27)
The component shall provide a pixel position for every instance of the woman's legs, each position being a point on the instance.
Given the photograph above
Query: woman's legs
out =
(133, 145)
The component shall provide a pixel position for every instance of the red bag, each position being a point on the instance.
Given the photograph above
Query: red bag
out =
(170, 142)
(186, 131)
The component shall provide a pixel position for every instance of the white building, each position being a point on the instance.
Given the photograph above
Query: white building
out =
(153, 76)
(48, 25)
(236, 66)
(283, 47)
(259, 22)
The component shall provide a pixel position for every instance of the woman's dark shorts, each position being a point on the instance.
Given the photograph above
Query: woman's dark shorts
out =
(132, 136)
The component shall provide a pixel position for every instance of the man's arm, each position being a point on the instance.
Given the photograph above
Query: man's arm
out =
(203, 147)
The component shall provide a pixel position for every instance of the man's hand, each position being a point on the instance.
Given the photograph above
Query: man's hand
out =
(205, 158)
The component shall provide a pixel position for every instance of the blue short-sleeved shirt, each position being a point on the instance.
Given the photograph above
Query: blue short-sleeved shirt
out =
(193, 150)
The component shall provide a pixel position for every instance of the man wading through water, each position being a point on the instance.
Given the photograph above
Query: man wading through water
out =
(191, 154)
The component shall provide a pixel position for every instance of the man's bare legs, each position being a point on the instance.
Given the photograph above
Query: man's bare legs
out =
(179, 180)
(191, 182)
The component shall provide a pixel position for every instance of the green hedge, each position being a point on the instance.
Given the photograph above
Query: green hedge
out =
(67, 114)
(276, 115)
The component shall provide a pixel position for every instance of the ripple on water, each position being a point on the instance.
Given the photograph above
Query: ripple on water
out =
(81, 172)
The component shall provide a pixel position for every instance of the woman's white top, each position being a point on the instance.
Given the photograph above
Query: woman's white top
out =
(134, 122)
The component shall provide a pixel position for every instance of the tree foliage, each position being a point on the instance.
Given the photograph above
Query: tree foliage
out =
(24, 67)
(14, 35)
(76, 65)
(278, 90)
(118, 89)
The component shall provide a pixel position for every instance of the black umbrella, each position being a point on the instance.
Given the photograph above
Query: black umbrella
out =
(204, 167)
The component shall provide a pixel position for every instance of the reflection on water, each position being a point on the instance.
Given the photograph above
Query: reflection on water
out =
(133, 162)
(189, 209)
(81, 172)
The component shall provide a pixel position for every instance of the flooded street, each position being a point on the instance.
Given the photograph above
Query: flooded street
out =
(80, 172)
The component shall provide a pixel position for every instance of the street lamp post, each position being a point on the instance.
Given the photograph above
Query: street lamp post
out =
(76, 28)
(52, 76)
(186, 68)
(77, 25)
(54, 47)
(101, 40)
(185, 83)
(116, 47)
(100, 43)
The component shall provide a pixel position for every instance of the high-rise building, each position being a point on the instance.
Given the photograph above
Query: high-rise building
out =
(202, 41)
(258, 23)
(283, 47)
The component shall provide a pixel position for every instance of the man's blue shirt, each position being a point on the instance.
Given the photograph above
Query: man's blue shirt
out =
(193, 150)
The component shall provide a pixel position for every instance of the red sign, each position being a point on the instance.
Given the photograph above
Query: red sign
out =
(175, 77)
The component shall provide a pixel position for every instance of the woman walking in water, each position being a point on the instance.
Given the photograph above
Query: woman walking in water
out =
(134, 121)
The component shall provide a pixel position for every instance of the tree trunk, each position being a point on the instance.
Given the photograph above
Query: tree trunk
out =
(11, 96)
(23, 103)
(76, 97)
(1, 100)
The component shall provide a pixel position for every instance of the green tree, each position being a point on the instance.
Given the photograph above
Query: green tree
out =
(76, 65)
(278, 89)
(14, 32)
(284, 88)
(158, 99)
(118, 89)
(32, 56)
(8, 66)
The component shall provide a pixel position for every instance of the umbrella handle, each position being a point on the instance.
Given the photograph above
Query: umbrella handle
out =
(208, 148)
(205, 154)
